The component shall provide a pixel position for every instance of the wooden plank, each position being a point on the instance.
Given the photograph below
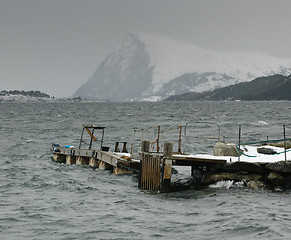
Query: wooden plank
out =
(150, 172)
(92, 126)
(108, 158)
(91, 134)
(194, 159)
(83, 152)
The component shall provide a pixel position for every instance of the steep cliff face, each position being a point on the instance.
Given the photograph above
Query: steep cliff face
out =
(125, 74)
(145, 67)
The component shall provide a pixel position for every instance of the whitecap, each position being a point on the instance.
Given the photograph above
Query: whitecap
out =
(262, 123)
(222, 184)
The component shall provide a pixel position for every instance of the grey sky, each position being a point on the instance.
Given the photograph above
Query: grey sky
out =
(55, 45)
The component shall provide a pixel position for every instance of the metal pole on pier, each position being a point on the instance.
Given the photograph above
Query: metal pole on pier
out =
(180, 140)
(239, 135)
(284, 132)
(81, 139)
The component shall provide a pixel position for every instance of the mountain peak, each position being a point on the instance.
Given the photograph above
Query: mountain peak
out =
(145, 66)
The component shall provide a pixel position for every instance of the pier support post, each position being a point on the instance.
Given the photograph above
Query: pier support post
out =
(70, 159)
(82, 160)
(124, 150)
(192, 171)
(93, 162)
(104, 165)
(145, 148)
(116, 149)
(119, 171)
(59, 157)
(167, 168)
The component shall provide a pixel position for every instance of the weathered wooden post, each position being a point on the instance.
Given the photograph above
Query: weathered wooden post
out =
(93, 162)
(145, 148)
(124, 150)
(59, 157)
(116, 149)
(70, 159)
(167, 168)
(103, 165)
(158, 139)
(81, 160)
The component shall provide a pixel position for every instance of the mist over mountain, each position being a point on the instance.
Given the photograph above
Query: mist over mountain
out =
(150, 68)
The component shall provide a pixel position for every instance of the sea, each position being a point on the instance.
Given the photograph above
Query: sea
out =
(42, 199)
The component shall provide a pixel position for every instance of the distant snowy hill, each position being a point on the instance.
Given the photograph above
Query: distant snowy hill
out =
(277, 87)
(149, 68)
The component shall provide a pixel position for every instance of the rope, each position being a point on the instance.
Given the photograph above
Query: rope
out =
(266, 141)
(128, 168)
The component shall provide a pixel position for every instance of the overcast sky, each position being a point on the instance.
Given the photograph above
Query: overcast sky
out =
(55, 45)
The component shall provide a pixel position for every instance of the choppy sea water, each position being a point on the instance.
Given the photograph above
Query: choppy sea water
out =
(41, 199)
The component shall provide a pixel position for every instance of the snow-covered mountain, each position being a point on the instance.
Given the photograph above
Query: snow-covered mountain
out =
(146, 67)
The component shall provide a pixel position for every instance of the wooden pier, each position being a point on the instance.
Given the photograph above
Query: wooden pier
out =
(102, 159)
(118, 163)
(155, 169)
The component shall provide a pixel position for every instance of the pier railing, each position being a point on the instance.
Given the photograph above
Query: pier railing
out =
(264, 142)
(182, 137)
(198, 134)
(157, 136)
